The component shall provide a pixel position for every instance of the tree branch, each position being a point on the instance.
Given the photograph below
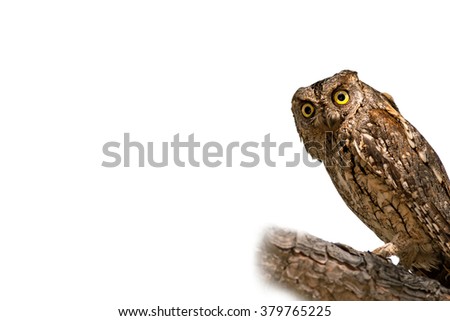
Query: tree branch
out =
(320, 270)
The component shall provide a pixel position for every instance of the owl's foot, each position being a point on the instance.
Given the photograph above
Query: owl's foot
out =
(387, 250)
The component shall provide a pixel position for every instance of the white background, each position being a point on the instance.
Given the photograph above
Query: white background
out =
(79, 240)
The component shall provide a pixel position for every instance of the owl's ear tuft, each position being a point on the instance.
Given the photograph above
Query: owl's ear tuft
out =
(348, 76)
(390, 100)
(349, 72)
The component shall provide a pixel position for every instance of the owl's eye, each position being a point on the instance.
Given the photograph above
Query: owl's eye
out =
(341, 97)
(307, 110)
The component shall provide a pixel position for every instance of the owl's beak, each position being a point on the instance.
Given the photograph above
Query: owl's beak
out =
(333, 119)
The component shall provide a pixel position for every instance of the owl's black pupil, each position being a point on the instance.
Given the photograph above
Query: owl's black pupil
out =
(307, 110)
(341, 97)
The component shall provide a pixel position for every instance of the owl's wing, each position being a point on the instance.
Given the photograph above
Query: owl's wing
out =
(391, 148)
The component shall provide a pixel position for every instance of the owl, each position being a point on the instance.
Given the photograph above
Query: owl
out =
(383, 168)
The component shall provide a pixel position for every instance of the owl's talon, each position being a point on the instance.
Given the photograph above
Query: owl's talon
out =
(387, 250)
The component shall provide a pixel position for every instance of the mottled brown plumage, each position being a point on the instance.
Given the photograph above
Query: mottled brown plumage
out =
(383, 168)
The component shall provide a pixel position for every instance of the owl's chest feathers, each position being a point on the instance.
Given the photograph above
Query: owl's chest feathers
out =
(380, 207)
(365, 194)
(369, 189)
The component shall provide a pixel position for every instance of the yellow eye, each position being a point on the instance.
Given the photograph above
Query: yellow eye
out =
(307, 110)
(341, 97)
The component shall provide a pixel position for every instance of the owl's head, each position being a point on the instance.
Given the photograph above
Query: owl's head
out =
(324, 106)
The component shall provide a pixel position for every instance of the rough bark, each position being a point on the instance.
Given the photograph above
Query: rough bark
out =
(319, 270)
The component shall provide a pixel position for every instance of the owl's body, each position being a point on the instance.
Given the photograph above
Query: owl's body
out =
(383, 168)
